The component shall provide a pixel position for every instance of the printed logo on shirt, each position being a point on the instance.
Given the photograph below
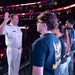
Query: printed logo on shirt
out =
(57, 48)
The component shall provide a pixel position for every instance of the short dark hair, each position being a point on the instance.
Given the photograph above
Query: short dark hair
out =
(12, 15)
(71, 21)
(50, 19)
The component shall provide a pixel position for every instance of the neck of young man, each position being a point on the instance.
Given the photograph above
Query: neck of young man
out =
(59, 34)
(45, 32)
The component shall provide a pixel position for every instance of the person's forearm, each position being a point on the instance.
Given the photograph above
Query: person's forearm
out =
(2, 26)
(37, 70)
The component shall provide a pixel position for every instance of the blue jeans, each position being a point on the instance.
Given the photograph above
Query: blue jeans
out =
(68, 61)
(63, 69)
(71, 64)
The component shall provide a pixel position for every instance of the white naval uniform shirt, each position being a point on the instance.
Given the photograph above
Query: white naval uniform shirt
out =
(13, 36)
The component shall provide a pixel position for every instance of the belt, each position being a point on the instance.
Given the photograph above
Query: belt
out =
(15, 47)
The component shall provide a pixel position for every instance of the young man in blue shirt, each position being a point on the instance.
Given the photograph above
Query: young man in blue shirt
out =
(46, 50)
(71, 31)
(60, 32)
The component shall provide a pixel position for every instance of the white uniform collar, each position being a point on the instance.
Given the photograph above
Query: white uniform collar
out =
(12, 25)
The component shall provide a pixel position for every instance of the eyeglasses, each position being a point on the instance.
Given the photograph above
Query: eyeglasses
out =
(39, 22)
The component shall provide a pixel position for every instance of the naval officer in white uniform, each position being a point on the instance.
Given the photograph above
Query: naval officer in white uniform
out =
(13, 40)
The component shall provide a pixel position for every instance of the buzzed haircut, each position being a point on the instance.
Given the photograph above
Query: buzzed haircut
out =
(71, 21)
(12, 15)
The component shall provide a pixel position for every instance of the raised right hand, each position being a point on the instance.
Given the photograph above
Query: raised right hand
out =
(6, 17)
